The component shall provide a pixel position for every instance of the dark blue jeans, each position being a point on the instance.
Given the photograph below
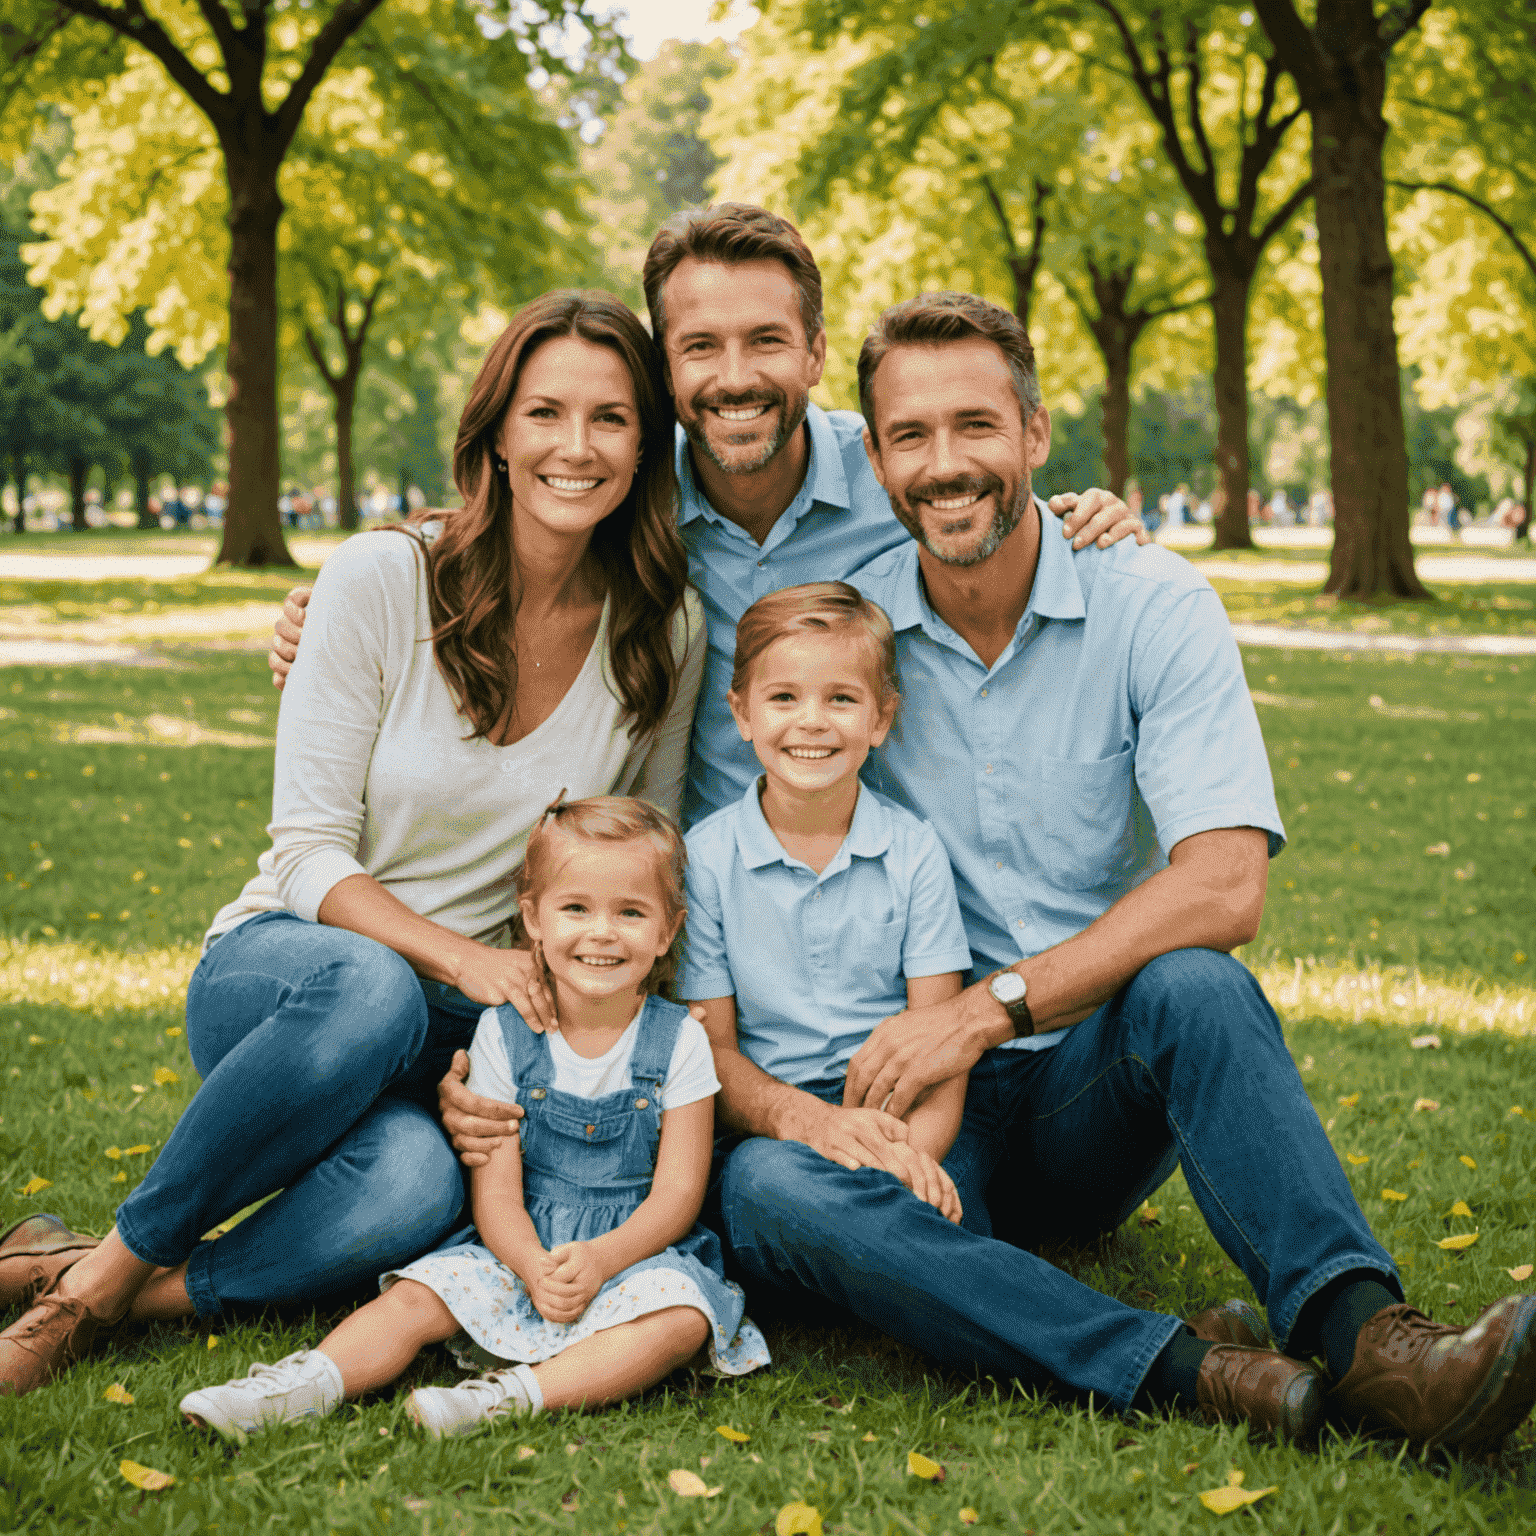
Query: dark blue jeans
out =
(1187, 1064)
(320, 1053)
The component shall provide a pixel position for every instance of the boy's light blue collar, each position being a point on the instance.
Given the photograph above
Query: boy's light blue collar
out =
(869, 834)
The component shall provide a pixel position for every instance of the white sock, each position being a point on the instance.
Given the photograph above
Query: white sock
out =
(521, 1382)
(327, 1374)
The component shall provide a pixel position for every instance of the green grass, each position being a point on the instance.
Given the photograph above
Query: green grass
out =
(89, 1011)
(1491, 608)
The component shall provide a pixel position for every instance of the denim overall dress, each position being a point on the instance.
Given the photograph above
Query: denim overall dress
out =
(587, 1166)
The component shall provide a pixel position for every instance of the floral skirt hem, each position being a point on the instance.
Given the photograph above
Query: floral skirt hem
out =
(500, 1322)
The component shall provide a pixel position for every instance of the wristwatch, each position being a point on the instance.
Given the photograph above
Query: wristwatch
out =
(1010, 990)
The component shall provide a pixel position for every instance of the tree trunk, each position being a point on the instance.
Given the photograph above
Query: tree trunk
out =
(1369, 452)
(78, 470)
(253, 528)
(19, 470)
(1115, 414)
(346, 473)
(140, 465)
(1524, 530)
(1229, 309)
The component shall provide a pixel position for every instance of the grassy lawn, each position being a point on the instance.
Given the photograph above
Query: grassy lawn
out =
(118, 842)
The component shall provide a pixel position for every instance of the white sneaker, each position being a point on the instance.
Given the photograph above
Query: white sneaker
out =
(306, 1385)
(472, 1404)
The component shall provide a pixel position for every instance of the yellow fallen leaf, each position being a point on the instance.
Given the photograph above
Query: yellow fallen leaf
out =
(689, 1485)
(145, 1477)
(1467, 1162)
(213, 1341)
(524, 1452)
(138, 1088)
(1461, 1208)
(1420, 1105)
(113, 1152)
(1357, 1159)
(32, 1186)
(871, 1436)
(1456, 1244)
(1520, 1272)
(735, 1436)
(118, 1178)
(137, 1151)
(164, 1077)
(968, 1516)
(118, 1393)
(919, 1465)
(1222, 1501)
(1349, 1101)
(1149, 1213)
(797, 1519)
(173, 1031)
(1235, 1477)
(1515, 1109)
(1393, 1194)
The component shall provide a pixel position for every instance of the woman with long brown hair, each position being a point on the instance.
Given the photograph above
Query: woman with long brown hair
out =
(457, 675)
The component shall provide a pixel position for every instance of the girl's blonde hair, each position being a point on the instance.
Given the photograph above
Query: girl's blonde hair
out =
(612, 819)
(817, 605)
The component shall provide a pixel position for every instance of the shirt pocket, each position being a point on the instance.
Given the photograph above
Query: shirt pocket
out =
(1088, 820)
(870, 954)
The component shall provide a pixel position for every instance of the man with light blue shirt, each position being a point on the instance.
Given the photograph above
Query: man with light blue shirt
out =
(1078, 730)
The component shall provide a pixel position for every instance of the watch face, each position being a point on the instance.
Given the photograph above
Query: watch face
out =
(1008, 987)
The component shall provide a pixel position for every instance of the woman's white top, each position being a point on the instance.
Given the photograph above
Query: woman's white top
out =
(690, 1073)
(375, 774)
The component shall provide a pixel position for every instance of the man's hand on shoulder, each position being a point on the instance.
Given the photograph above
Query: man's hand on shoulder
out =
(913, 1050)
(287, 633)
(1097, 516)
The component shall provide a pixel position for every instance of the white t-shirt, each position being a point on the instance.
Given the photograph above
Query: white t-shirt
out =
(690, 1074)
(375, 774)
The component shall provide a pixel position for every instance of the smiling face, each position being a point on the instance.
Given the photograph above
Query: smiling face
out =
(813, 707)
(950, 447)
(571, 437)
(737, 359)
(603, 918)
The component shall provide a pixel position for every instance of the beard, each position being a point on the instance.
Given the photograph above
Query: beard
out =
(1007, 512)
(791, 409)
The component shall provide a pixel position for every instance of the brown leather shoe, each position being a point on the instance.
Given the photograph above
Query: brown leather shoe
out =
(1262, 1388)
(1438, 1385)
(33, 1254)
(1233, 1322)
(45, 1340)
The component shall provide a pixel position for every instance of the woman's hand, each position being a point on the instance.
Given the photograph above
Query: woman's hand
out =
(475, 1125)
(496, 976)
(564, 1282)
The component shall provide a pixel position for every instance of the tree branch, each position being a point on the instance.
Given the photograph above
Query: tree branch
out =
(1002, 216)
(129, 20)
(1192, 95)
(219, 24)
(1284, 213)
(344, 21)
(1292, 39)
(1526, 254)
(1399, 21)
(313, 346)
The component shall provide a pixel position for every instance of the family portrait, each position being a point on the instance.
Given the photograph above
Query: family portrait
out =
(758, 903)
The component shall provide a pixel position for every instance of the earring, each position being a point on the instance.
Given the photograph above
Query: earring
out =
(502, 467)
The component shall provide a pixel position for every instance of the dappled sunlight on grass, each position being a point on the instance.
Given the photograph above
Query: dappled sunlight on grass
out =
(85, 977)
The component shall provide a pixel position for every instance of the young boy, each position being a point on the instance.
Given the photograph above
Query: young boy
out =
(817, 908)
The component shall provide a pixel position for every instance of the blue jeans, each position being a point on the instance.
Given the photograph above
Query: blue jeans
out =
(1187, 1064)
(320, 1052)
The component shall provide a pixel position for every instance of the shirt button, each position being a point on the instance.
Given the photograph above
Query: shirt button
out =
(983, 693)
(999, 863)
(591, 1129)
(538, 1093)
(642, 1103)
(1021, 922)
(989, 768)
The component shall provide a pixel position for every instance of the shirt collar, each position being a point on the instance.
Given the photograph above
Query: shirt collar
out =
(1056, 593)
(869, 834)
(825, 484)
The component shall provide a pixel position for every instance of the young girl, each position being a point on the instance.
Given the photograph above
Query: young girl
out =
(589, 1273)
(817, 908)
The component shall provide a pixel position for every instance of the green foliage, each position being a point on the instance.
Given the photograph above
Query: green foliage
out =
(651, 158)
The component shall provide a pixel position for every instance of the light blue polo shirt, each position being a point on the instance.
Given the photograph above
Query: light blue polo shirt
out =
(1116, 723)
(816, 961)
(839, 520)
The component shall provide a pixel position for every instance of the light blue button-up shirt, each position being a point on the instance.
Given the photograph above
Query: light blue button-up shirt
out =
(1116, 723)
(839, 520)
(816, 961)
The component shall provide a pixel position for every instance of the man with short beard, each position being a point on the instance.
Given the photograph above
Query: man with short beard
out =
(1078, 730)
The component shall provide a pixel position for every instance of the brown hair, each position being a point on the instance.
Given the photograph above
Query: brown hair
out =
(934, 318)
(731, 233)
(471, 575)
(613, 819)
(817, 605)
